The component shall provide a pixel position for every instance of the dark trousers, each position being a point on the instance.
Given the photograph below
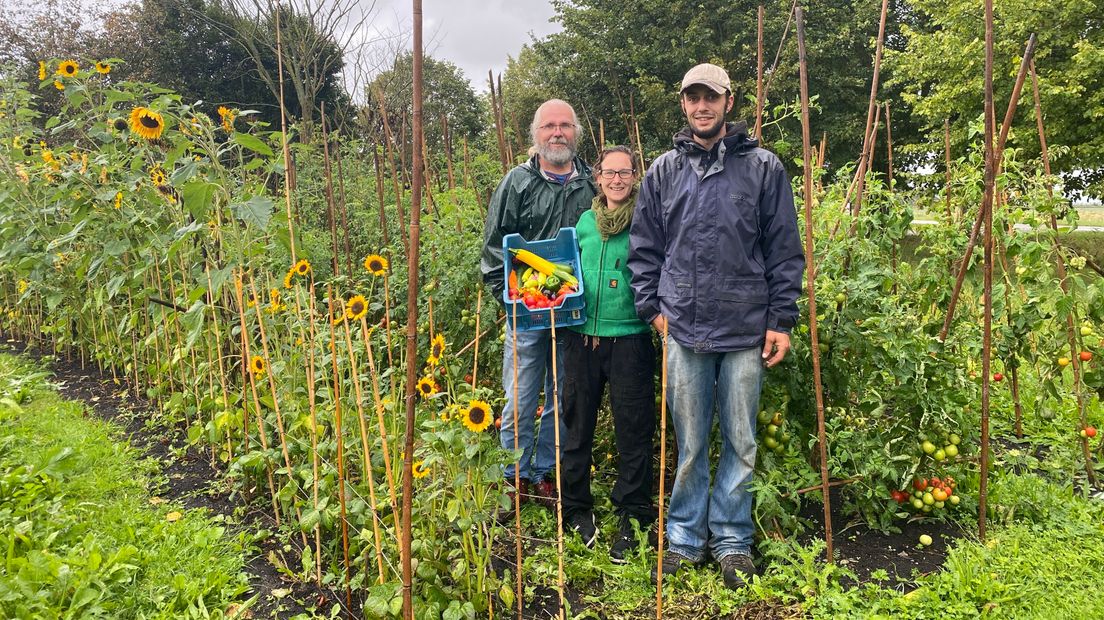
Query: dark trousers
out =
(627, 364)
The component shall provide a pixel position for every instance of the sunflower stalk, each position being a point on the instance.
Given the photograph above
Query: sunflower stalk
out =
(339, 432)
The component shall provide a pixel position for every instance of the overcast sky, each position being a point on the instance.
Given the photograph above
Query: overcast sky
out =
(476, 35)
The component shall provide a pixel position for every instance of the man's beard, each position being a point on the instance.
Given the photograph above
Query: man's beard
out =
(708, 134)
(557, 156)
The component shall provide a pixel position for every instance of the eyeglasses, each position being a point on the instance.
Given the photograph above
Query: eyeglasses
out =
(563, 127)
(624, 174)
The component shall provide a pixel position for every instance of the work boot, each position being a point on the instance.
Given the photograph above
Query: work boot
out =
(583, 523)
(737, 569)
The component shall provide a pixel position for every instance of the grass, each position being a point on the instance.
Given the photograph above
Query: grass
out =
(82, 536)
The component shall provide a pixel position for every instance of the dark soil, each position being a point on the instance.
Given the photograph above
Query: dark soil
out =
(189, 479)
(863, 551)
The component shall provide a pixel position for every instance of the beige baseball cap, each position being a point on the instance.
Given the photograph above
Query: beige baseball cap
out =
(709, 75)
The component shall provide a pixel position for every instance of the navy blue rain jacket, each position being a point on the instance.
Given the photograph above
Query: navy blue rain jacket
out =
(714, 244)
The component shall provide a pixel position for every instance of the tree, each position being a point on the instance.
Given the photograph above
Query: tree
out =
(447, 92)
(940, 75)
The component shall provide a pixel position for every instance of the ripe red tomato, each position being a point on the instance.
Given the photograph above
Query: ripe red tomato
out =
(998, 377)
(1086, 356)
(920, 484)
(1090, 432)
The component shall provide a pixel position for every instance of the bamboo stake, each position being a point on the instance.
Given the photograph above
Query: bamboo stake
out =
(759, 74)
(889, 149)
(339, 432)
(412, 319)
(331, 217)
(947, 165)
(379, 196)
(1090, 469)
(366, 459)
(640, 152)
(602, 132)
(811, 281)
(313, 425)
(662, 473)
(390, 140)
(998, 152)
(517, 471)
(344, 208)
(395, 508)
(778, 52)
(246, 367)
(991, 163)
(448, 151)
(276, 401)
(560, 579)
(475, 354)
(284, 139)
(868, 140)
(498, 123)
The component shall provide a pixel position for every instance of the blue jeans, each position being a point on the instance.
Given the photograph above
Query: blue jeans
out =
(697, 382)
(534, 371)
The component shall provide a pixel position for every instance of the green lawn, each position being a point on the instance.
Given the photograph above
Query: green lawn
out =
(81, 537)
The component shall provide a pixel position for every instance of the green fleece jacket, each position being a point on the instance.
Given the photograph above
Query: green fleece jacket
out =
(610, 311)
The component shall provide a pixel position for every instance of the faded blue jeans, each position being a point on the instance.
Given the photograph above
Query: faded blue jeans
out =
(699, 383)
(534, 372)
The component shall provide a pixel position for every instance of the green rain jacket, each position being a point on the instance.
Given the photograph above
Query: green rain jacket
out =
(536, 208)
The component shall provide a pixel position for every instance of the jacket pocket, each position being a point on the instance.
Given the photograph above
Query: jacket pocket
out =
(675, 285)
(744, 290)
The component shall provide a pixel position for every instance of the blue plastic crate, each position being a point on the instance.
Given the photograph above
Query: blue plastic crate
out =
(563, 248)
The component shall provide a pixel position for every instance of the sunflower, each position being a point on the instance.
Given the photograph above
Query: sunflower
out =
(302, 267)
(477, 417)
(41, 71)
(338, 317)
(157, 176)
(103, 68)
(118, 200)
(146, 123)
(436, 350)
(251, 301)
(418, 469)
(58, 85)
(427, 387)
(356, 307)
(257, 366)
(227, 116)
(119, 124)
(22, 286)
(376, 265)
(287, 279)
(68, 68)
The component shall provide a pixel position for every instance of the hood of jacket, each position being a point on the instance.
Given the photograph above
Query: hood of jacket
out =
(735, 139)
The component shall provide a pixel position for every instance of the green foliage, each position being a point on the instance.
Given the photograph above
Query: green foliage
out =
(82, 539)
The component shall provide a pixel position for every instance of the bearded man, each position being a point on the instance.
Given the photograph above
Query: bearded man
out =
(548, 192)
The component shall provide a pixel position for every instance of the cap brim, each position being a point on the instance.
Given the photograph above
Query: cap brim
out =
(715, 87)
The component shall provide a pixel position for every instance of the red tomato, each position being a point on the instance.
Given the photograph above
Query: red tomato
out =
(920, 484)
(1090, 432)
(1086, 356)
(998, 377)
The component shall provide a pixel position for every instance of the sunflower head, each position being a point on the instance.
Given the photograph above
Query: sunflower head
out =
(338, 317)
(427, 387)
(418, 469)
(68, 68)
(356, 307)
(146, 123)
(436, 350)
(376, 265)
(157, 176)
(287, 279)
(59, 85)
(119, 124)
(477, 417)
(103, 68)
(226, 115)
(302, 267)
(41, 70)
(257, 366)
(118, 200)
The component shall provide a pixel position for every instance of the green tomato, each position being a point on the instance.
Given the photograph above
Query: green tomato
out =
(925, 540)
(951, 450)
(939, 455)
(763, 417)
(954, 499)
(929, 499)
(917, 504)
(954, 439)
(928, 447)
(772, 430)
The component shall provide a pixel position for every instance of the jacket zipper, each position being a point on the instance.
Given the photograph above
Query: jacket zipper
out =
(598, 293)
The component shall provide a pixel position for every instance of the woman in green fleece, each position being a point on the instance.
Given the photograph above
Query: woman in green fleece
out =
(614, 346)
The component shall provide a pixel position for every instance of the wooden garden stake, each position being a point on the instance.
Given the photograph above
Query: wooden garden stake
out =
(987, 215)
(313, 424)
(379, 195)
(366, 459)
(602, 132)
(822, 439)
(247, 368)
(889, 150)
(275, 400)
(284, 138)
(331, 217)
(559, 489)
(338, 431)
(759, 74)
(868, 139)
(498, 123)
(395, 509)
(344, 208)
(947, 167)
(475, 354)
(394, 174)
(448, 151)
(517, 470)
(1090, 469)
(412, 319)
(997, 152)
(662, 473)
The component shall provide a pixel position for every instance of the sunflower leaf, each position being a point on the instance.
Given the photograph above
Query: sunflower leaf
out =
(257, 211)
(253, 143)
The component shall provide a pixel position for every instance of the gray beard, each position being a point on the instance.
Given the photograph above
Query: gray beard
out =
(556, 156)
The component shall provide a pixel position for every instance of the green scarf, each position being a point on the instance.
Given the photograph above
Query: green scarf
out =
(612, 221)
